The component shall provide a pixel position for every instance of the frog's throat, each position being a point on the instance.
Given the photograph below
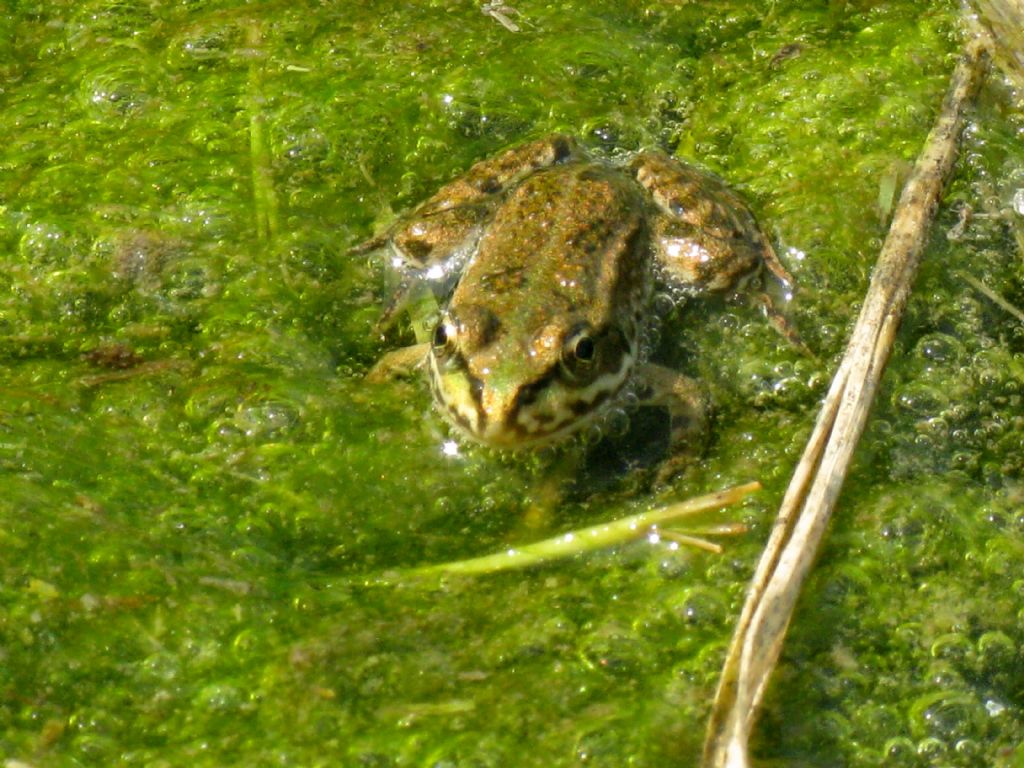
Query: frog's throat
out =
(512, 421)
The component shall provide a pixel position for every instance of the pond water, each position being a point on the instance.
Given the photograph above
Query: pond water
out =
(199, 492)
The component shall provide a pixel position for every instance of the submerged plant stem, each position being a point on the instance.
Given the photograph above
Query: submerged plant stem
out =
(264, 198)
(596, 537)
(991, 295)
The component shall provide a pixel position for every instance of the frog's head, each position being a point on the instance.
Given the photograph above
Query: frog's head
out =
(510, 389)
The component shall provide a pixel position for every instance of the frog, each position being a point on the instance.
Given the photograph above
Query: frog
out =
(547, 261)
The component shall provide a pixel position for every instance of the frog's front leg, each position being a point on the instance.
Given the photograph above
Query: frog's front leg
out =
(439, 234)
(686, 400)
(398, 362)
(431, 244)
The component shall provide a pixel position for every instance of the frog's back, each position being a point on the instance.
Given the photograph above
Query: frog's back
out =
(568, 241)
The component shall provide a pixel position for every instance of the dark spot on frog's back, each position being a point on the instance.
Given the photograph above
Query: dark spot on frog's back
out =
(503, 281)
(478, 325)
(593, 173)
(416, 249)
(489, 185)
(562, 147)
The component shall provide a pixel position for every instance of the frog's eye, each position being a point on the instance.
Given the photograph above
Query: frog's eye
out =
(441, 336)
(583, 349)
(579, 352)
(442, 340)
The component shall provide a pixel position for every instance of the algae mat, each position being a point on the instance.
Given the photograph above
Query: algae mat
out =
(197, 487)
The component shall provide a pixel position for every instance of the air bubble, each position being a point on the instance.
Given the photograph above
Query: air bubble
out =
(218, 697)
(591, 435)
(969, 748)
(118, 90)
(266, 421)
(943, 674)
(996, 652)
(899, 751)
(921, 399)
(45, 243)
(616, 423)
(939, 347)
(1018, 201)
(662, 304)
(699, 607)
(935, 428)
(994, 708)
(612, 651)
(931, 749)
(629, 401)
(951, 647)
(946, 716)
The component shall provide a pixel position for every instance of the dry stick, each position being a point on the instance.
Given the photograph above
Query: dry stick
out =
(818, 478)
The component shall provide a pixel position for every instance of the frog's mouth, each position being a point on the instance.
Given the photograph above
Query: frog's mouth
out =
(532, 415)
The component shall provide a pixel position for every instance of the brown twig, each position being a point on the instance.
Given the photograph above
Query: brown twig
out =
(818, 478)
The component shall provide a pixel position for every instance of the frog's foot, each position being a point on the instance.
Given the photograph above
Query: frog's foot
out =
(398, 296)
(776, 318)
(774, 265)
(782, 324)
(369, 245)
(689, 411)
(396, 303)
(398, 363)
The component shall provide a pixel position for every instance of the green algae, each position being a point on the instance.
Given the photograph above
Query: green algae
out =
(195, 482)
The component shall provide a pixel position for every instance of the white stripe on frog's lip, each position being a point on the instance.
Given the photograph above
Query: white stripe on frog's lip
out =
(520, 426)
(569, 417)
(460, 409)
